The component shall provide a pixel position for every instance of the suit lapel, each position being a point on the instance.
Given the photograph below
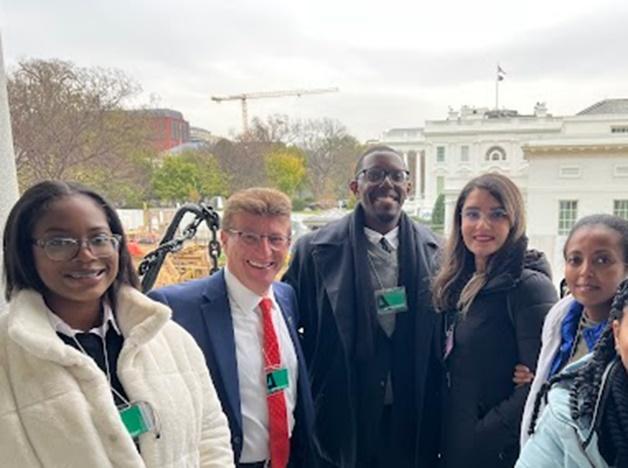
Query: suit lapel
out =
(219, 325)
(304, 410)
(286, 310)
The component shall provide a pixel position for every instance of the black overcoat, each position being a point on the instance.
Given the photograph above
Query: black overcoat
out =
(321, 272)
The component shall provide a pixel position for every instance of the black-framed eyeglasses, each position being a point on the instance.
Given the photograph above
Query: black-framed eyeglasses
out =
(377, 175)
(62, 249)
(276, 241)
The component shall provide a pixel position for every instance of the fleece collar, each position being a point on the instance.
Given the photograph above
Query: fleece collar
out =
(139, 319)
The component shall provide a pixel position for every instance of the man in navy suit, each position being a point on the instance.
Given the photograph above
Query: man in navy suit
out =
(232, 315)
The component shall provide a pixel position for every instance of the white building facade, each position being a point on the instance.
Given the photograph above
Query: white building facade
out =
(566, 167)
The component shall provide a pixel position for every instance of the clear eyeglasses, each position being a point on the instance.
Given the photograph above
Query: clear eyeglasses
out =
(62, 249)
(496, 215)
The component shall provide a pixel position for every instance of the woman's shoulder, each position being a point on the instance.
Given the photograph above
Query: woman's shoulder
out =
(536, 270)
(553, 436)
(559, 395)
(181, 343)
(558, 401)
(533, 278)
(559, 310)
(175, 333)
(534, 287)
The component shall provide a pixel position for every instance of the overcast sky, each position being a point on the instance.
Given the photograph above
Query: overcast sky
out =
(397, 63)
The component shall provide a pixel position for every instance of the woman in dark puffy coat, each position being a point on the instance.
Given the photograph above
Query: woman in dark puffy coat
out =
(494, 295)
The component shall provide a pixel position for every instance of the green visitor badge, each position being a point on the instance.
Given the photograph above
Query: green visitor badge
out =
(138, 418)
(276, 380)
(391, 300)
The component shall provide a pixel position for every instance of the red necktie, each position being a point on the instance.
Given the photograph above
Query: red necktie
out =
(277, 412)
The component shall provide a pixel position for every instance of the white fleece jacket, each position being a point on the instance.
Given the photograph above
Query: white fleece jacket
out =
(56, 407)
(550, 342)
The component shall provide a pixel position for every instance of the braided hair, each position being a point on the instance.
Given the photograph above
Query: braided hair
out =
(542, 395)
(613, 422)
(585, 388)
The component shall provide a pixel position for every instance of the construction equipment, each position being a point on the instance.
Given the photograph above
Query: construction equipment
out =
(244, 97)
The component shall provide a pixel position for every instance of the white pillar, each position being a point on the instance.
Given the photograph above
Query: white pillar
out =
(8, 174)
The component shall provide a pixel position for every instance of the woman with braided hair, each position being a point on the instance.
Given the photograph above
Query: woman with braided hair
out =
(596, 261)
(585, 423)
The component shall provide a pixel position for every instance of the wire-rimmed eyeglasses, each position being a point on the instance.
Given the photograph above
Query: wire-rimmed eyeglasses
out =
(276, 241)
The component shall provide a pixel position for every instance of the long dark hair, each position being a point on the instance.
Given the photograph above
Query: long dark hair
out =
(585, 389)
(458, 260)
(19, 264)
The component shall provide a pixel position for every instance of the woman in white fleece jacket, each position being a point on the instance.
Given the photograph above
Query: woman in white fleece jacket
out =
(80, 345)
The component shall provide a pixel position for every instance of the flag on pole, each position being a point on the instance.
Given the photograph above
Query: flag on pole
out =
(500, 73)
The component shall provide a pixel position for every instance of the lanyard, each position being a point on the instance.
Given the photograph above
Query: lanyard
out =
(126, 402)
(138, 417)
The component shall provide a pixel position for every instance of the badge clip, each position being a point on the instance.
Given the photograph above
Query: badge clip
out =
(139, 418)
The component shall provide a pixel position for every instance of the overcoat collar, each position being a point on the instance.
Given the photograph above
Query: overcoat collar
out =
(334, 258)
(332, 255)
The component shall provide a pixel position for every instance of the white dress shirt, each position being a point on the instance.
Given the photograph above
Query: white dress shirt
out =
(392, 237)
(248, 331)
(60, 326)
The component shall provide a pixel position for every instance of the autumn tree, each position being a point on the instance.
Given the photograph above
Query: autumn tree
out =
(190, 176)
(132, 184)
(285, 168)
(276, 128)
(331, 155)
(69, 122)
(242, 162)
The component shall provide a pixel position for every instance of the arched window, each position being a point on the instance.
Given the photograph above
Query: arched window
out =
(495, 153)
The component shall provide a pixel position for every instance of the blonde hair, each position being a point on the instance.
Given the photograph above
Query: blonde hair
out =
(457, 284)
(259, 201)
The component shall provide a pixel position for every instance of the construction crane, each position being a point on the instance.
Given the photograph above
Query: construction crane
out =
(267, 94)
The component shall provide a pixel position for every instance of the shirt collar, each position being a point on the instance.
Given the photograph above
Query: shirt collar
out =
(243, 296)
(109, 320)
(392, 237)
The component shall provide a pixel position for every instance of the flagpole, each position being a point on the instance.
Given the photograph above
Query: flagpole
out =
(8, 189)
(497, 93)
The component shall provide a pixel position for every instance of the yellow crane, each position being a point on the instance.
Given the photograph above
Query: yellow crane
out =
(244, 97)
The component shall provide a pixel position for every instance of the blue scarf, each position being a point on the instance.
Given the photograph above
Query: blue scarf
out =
(568, 330)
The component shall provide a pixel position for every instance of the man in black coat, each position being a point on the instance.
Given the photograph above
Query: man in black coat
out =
(370, 334)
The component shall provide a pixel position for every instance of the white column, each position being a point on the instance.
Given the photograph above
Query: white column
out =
(8, 175)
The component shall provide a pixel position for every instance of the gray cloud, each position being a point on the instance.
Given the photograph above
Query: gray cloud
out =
(188, 50)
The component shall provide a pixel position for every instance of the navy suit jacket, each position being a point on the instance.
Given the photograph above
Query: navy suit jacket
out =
(202, 307)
